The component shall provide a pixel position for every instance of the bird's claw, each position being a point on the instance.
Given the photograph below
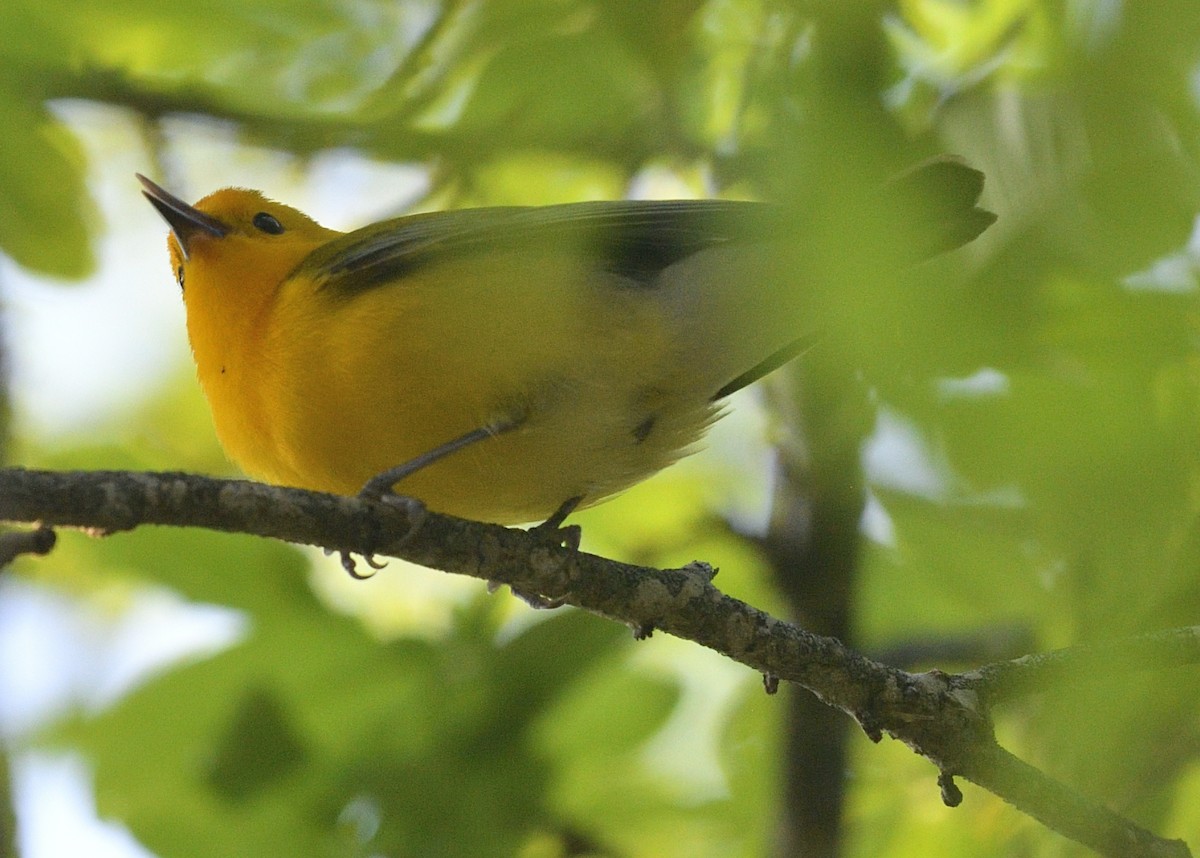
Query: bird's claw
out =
(413, 508)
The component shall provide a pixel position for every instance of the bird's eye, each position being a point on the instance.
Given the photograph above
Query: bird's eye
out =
(179, 276)
(267, 223)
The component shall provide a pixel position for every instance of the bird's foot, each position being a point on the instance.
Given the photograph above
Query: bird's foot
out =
(551, 532)
(379, 491)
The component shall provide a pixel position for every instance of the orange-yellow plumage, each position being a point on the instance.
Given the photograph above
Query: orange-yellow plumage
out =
(593, 342)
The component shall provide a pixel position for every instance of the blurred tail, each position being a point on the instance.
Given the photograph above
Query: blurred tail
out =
(941, 198)
(929, 209)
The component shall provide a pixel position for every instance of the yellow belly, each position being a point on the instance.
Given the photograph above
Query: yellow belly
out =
(396, 371)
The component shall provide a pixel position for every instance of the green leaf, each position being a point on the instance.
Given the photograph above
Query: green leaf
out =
(558, 90)
(260, 748)
(45, 211)
(608, 713)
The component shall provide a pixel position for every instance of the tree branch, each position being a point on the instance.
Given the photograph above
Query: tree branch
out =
(943, 717)
(39, 541)
(1030, 674)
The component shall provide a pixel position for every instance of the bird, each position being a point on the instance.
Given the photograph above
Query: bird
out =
(503, 364)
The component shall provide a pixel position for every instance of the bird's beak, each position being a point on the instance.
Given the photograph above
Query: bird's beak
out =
(185, 221)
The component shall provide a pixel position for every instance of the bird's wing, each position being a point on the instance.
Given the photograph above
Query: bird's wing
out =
(633, 238)
(935, 205)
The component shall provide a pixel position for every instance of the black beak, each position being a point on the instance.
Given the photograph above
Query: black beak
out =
(185, 221)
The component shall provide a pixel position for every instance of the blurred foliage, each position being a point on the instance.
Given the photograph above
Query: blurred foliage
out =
(1048, 375)
(311, 737)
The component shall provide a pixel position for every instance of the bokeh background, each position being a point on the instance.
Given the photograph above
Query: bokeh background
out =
(989, 454)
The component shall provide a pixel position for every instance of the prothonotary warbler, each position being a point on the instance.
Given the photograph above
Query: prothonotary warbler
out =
(497, 362)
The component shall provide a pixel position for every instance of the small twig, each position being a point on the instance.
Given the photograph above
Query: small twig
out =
(40, 541)
(975, 647)
(1031, 674)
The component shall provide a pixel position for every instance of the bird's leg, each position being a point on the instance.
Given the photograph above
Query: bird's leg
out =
(381, 486)
(382, 483)
(552, 530)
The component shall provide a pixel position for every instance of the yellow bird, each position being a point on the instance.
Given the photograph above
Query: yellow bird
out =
(494, 363)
